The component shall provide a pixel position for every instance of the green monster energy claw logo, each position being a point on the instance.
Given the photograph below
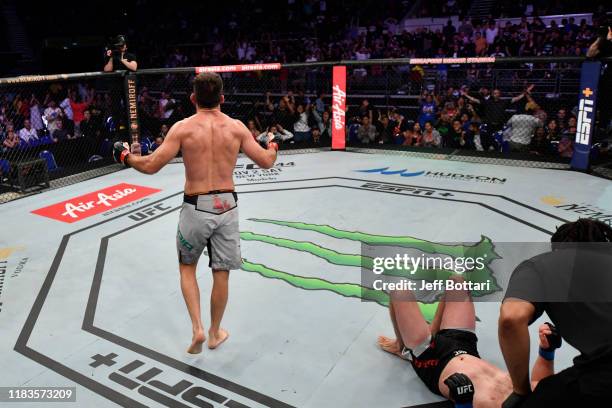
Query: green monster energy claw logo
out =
(484, 249)
(183, 241)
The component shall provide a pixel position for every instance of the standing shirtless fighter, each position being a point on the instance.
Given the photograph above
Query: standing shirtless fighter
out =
(210, 142)
(444, 354)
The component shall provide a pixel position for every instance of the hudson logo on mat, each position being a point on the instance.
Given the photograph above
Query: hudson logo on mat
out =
(87, 205)
(437, 174)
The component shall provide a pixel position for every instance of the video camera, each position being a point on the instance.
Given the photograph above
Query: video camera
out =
(115, 45)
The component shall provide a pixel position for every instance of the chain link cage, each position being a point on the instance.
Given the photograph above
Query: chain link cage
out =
(58, 130)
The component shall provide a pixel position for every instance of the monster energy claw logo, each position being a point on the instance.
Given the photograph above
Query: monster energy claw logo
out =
(484, 248)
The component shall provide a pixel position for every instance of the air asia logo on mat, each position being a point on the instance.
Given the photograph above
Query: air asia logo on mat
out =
(254, 173)
(437, 175)
(94, 203)
(582, 209)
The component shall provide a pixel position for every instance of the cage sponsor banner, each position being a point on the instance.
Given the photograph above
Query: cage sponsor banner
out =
(78, 208)
(472, 60)
(240, 68)
(589, 81)
(339, 108)
(132, 108)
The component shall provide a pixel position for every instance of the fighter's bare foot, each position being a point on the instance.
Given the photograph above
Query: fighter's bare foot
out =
(196, 342)
(389, 345)
(215, 339)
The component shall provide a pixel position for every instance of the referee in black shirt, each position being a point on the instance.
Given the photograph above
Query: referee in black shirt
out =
(573, 285)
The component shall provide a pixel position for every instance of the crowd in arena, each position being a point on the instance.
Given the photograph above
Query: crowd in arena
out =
(63, 114)
(531, 37)
(481, 122)
(485, 120)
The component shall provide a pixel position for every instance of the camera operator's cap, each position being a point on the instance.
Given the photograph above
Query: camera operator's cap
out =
(119, 41)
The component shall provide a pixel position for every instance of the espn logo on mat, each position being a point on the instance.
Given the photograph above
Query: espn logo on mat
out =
(88, 205)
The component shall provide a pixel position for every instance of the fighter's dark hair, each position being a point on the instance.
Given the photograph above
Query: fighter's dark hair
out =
(583, 230)
(208, 88)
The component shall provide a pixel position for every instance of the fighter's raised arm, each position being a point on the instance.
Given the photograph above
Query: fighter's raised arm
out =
(263, 153)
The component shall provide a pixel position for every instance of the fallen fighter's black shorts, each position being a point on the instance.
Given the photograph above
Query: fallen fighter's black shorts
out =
(443, 347)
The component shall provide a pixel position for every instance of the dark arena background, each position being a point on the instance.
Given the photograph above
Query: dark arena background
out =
(445, 127)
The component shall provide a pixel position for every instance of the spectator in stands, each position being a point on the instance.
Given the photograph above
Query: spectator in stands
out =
(284, 112)
(444, 124)
(366, 132)
(449, 31)
(166, 107)
(522, 128)
(60, 133)
(276, 132)
(323, 121)
(431, 137)
(316, 135)
(366, 110)
(384, 129)
(552, 131)
(53, 115)
(11, 140)
(159, 139)
(466, 28)
(475, 137)
(566, 146)
(28, 134)
(414, 137)
(562, 118)
(253, 128)
(301, 125)
(163, 130)
(494, 108)
(540, 144)
(320, 104)
(36, 114)
(67, 109)
(455, 137)
(491, 33)
(89, 128)
(428, 108)
(78, 107)
(480, 44)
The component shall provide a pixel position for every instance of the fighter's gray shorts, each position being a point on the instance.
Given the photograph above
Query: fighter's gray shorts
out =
(211, 221)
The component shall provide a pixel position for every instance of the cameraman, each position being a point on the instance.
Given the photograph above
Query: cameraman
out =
(602, 48)
(117, 58)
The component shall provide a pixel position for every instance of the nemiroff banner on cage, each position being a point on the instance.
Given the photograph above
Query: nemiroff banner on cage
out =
(589, 81)
(78, 208)
(339, 108)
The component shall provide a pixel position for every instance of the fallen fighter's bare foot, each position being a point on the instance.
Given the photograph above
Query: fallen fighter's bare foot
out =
(215, 339)
(196, 342)
(392, 346)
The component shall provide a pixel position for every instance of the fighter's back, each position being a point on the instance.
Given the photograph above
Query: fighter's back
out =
(210, 143)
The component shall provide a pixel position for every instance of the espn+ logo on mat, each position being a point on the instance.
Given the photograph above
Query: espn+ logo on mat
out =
(78, 208)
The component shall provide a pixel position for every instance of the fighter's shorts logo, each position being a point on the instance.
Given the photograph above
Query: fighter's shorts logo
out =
(183, 241)
(459, 352)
